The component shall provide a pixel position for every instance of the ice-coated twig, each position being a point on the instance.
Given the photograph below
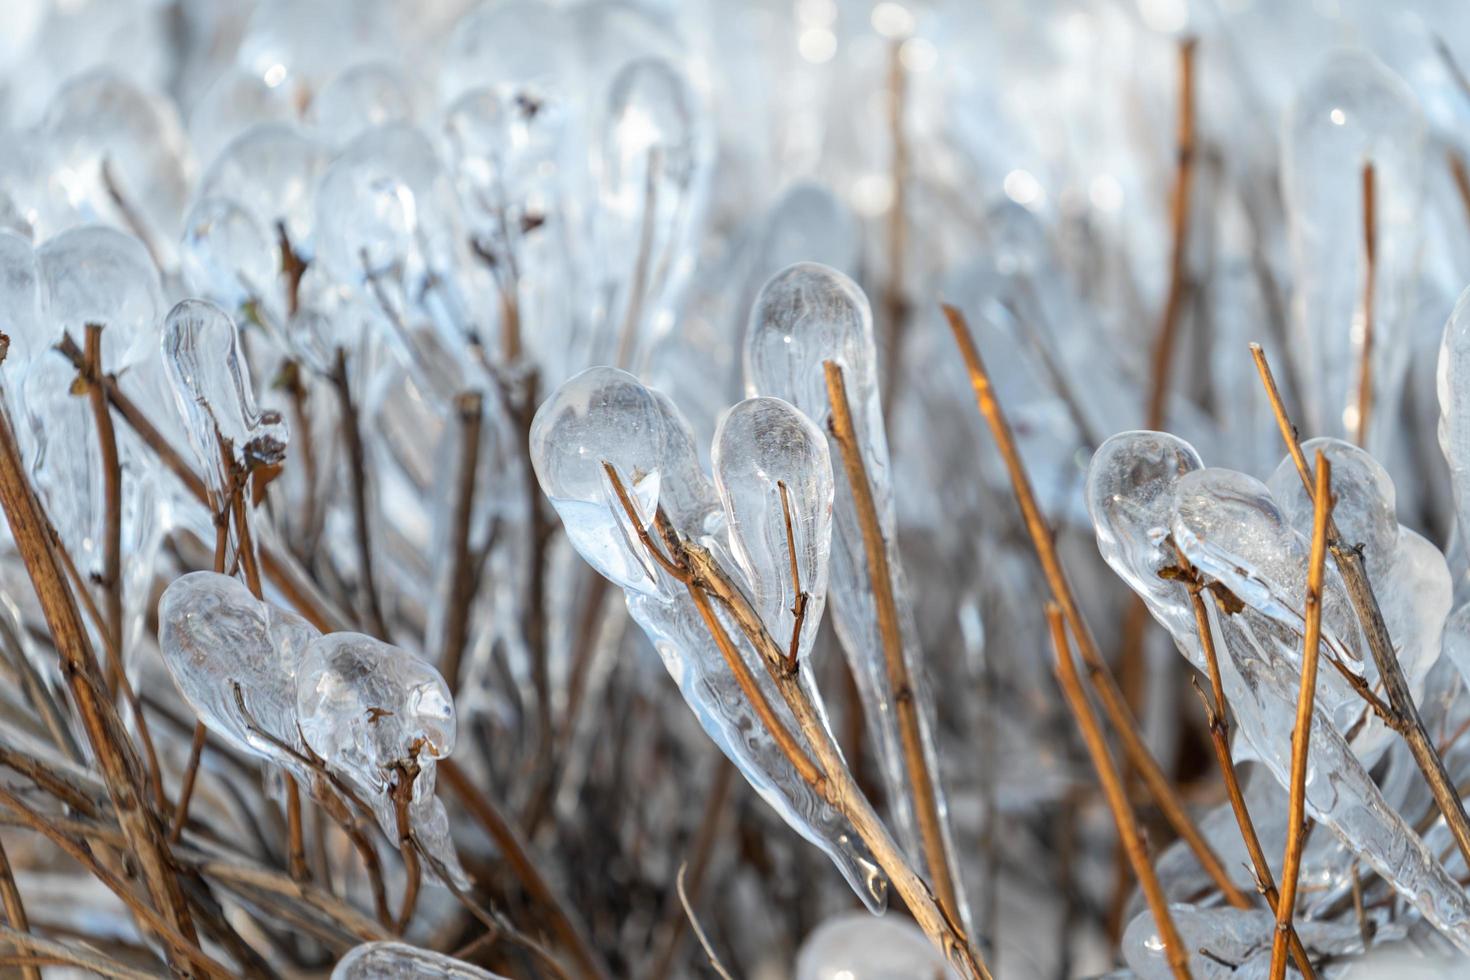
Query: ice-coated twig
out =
(1114, 704)
(1301, 740)
(1128, 830)
(1405, 717)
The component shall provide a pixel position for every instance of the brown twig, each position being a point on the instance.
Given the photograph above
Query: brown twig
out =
(1168, 335)
(514, 851)
(1370, 251)
(351, 428)
(470, 409)
(894, 301)
(186, 789)
(799, 602)
(1216, 707)
(1301, 739)
(1112, 785)
(111, 578)
(15, 910)
(1113, 702)
(923, 785)
(51, 952)
(709, 950)
(702, 850)
(402, 795)
(1403, 716)
(114, 756)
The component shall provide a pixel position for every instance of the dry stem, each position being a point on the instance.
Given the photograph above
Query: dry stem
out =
(1112, 785)
(923, 785)
(111, 580)
(1301, 739)
(15, 910)
(1370, 250)
(1402, 715)
(1114, 704)
(351, 427)
(470, 408)
(1179, 223)
(799, 603)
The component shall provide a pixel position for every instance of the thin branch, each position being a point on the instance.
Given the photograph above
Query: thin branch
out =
(1168, 335)
(50, 951)
(186, 790)
(402, 796)
(923, 784)
(1301, 739)
(114, 756)
(702, 850)
(799, 602)
(1114, 704)
(514, 851)
(469, 407)
(1112, 785)
(351, 428)
(1216, 707)
(1370, 252)
(709, 951)
(111, 580)
(1404, 717)
(15, 910)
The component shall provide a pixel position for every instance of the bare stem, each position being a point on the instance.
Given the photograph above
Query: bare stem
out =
(1112, 785)
(1370, 251)
(799, 602)
(1301, 738)
(351, 427)
(1403, 714)
(15, 910)
(514, 851)
(470, 409)
(111, 580)
(923, 786)
(1168, 335)
(1114, 704)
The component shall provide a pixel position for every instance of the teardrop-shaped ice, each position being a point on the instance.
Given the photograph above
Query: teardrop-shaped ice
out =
(604, 415)
(1228, 942)
(378, 714)
(358, 99)
(653, 177)
(211, 384)
(216, 637)
(808, 223)
(518, 46)
(1352, 112)
(1231, 530)
(366, 706)
(1131, 483)
(855, 946)
(773, 473)
(95, 274)
(228, 257)
(400, 961)
(1363, 500)
(112, 140)
(271, 170)
(807, 315)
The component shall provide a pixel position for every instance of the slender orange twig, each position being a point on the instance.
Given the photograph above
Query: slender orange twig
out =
(1113, 702)
(1112, 785)
(923, 785)
(799, 602)
(1370, 252)
(1402, 715)
(1301, 738)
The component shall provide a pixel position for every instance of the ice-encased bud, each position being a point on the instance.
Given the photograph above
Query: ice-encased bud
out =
(605, 415)
(1353, 111)
(227, 256)
(855, 946)
(110, 140)
(211, 383)
(400, 961)
(271, 170)
(358, 99)
(96, 274)
(805, 315)
(366, 706)
(771, 464)
(1131, 483)
(1363, 499)
(215, 636)
(385, 206)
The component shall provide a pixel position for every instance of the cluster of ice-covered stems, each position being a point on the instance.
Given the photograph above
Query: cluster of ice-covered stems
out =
(729, 581)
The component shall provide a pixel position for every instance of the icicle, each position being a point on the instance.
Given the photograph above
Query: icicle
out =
(853, 946)
(400, 961)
